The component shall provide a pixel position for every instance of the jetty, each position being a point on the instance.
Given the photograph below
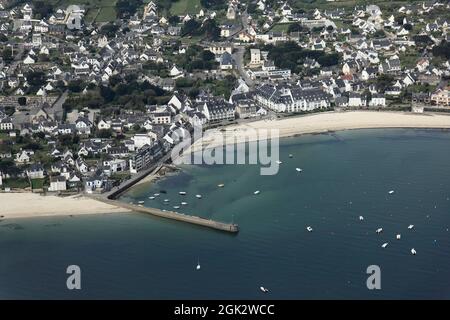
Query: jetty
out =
(112, 196)
(217, 225)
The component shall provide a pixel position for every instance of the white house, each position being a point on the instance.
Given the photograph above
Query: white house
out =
(24, 156)
(57, 183)
(6, 124)
(103, 125)
(255, 57)
(377, 100)
(355, 100)
(35, 171)
(143, 139)
(175, 72)
(175, 101)
(116, 165)
(29, 60)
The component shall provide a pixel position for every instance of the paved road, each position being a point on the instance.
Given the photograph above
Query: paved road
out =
(58, 105)
(238, 57)
(17, 60)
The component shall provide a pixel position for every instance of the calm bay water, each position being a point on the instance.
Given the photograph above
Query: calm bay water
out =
(345, 175)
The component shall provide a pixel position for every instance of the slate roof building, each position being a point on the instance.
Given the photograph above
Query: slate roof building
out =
(291, 99)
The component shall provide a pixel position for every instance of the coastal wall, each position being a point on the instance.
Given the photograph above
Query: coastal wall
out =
(122, 188)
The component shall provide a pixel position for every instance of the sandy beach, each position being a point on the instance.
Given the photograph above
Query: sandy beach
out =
(28, 205)
(322, 122)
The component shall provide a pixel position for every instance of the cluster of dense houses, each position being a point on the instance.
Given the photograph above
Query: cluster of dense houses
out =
(66, 49)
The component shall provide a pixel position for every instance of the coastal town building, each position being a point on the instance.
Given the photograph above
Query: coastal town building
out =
(291, 99)
(57, 184)
(145, 157)
(441, 97)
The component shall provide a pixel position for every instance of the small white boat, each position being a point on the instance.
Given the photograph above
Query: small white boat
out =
(298, 169)
(290, 156)
(264, 289)
(198, 196)
(384, 245)
(361, 218)
(151, 198)
(221, 185)
(176, 207)
(256, 192)
(182, 193)
(391, 192)
(410, 226)
(184, 203)
(398, 237)
(198, 265)
(156, 194)
(413, 251)
(379, 230)
(141, 202)
(166, 200)
(279, 162)
(309, 228)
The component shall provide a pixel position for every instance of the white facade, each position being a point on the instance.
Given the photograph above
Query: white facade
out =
(377, 101)
(295, 99)
(57, 184)
(255, 57)
(141, 140)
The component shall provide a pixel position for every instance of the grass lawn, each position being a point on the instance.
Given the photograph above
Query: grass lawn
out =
(181, 7)
(4, 136)
(106, 14)
(16, 183)
(91, 14)
(280, 27)
(408, 59)
(86, 3)
(191, 40)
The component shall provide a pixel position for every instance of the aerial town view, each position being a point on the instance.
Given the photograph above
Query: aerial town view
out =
(224, 149)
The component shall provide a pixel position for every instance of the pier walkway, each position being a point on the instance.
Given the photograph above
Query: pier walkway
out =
(222, 226)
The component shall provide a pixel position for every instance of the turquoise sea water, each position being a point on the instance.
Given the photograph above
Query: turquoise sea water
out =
(345, 175)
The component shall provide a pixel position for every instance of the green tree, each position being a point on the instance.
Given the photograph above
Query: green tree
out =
(7, 55)
(75, 86)
(190, 27)
(295, 27)
(109, 30)
(105, 133)
(442, 50)
(127, 8)
(36, 78)
(42, 8)
(7, 166)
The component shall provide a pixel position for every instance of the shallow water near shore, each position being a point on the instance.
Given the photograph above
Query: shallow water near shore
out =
(345, 174)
